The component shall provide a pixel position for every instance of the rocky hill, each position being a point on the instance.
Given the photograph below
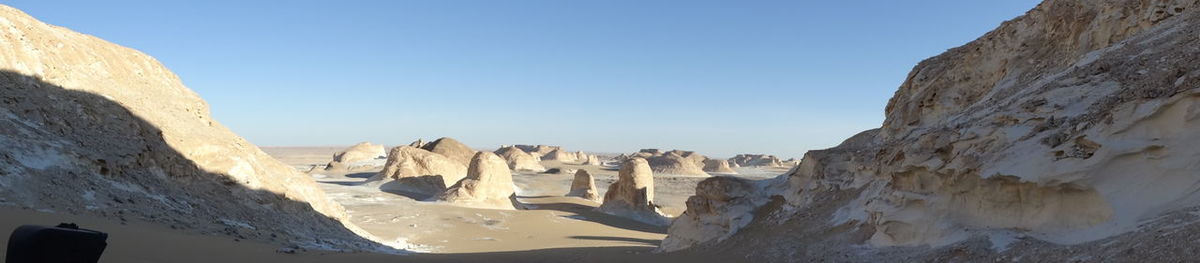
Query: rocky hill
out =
(1067, 133)
(90, 127)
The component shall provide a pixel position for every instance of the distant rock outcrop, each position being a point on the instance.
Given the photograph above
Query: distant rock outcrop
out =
(584, 186)
(519, 160)
(537, 151)
(360, 156)
(672, 163)
(632, 195)
(561, 156)
(718, 166)
(488, 184)
(452, 149)
(421, 171)
(756, 160)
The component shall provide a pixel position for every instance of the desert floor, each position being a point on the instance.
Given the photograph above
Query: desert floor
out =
(553, 228)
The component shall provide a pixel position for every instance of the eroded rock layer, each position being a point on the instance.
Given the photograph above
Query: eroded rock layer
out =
(1071, 124)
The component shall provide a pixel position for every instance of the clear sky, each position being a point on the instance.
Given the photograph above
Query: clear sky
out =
(719, 77)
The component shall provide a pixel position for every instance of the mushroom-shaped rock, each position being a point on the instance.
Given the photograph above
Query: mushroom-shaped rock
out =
(632, 195)
(452, 149)
(361, 155)
(421, 171)
(488, 184)
(519, 160)
(718, 166)
(672, 163)
(584, 186)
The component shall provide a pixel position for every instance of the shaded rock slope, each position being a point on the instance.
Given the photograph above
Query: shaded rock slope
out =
(89, 127)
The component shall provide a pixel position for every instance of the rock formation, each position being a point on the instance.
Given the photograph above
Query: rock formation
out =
(419, 143)
(1072, 123)
(359, 156)
(537, 151)
(84, 121)
(488, 184)
(721, 206)
(718, 166)
(672, 163)
(452, 149)
(519, 160)
(756, 160)
(421, 171)
(584, 186)
(561, 156)
(592, 160)
(632, 195)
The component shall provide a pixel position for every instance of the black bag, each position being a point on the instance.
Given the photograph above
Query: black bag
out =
(65, 243)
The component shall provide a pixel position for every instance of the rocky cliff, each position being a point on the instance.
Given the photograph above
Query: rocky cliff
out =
(1069, 127)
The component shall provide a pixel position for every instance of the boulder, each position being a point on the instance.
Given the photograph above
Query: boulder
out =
(519, 160)
(584, 186)
(718, 166)
(488, 184)
(452, 149)
(721, 206)
(360, 156)
(632, 195)
(561, 156)
(407, 162)
(672, 163)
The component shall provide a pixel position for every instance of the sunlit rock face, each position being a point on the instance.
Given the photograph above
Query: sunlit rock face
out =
(1071, 123)
(488, 184)
(632, 195)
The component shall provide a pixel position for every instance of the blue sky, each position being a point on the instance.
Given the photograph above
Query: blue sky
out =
(719, 77)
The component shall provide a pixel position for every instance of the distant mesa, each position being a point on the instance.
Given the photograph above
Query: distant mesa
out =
(361, 156)
(584, 186)
(519, 160)
(632, 195)
(488, 184)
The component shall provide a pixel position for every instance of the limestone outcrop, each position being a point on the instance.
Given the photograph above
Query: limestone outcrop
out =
(420, 171)
(519, 160)
(721, 206)
(1072, 123)
(584, 186)
(561, 156)
(672, 163)
(452, 149)
(718, 166)
(363, 155)
(756, 160)
(84, 121)
(488, 184)
(632, 195)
